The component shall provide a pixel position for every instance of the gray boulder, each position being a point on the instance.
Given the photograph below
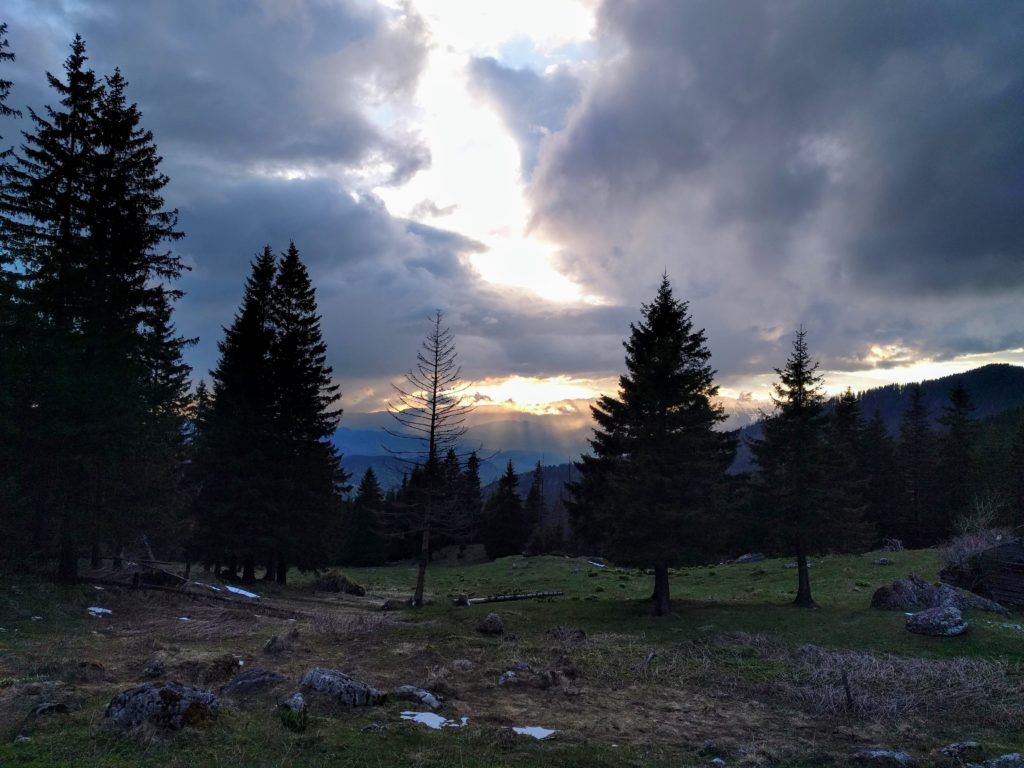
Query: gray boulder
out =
(253, 681)
(293, 713)
(883, 757)
(1012, 760)
(914, 593)
(170, 706)
(946, 594)
(342, 688)
(959, 749)
(937, 622)
(412, 693)
(492, 624)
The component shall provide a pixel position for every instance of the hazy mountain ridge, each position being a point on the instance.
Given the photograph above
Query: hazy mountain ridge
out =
(994, 389)
(529, 438)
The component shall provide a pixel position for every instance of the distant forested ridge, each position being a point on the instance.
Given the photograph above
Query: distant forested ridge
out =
(995, 389)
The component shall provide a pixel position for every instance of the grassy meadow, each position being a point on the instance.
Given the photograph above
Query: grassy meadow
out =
(735, 672)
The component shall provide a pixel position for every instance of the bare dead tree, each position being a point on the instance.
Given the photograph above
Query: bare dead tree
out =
(430, 417)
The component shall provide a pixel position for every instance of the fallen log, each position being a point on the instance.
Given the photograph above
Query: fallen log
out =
(464, 600)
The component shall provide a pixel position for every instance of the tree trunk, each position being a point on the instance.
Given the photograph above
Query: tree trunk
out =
(94, 559)
(282, 570)
(803, 592)
(188, 570)
(661, 591)
(118, 557)
(249, 569)
(67, 562)
(421, 575)
(271, 573)
(233, 568)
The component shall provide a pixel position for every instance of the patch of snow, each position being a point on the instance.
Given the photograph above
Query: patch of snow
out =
(597, 565)
(184, 618)
(97, 611)
(37, 618)
(97, 586)
(208, 586)
(240, 591)
(433, 720)
(533, 730)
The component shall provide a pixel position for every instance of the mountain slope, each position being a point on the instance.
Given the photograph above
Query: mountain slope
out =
(993, 388)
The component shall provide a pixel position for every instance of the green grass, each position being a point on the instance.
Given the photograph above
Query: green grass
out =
(753, 598)
(703, 654)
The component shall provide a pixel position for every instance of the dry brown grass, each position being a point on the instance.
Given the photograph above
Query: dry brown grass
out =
(960, 548)
(836, 684)
(348, 626)
(872, 686)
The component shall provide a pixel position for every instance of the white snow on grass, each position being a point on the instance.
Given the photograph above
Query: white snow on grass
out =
(434, 720)
(97, 611)
(208, 586)
(184, 618)
(597, 565)
(240, 591)
(533, 730)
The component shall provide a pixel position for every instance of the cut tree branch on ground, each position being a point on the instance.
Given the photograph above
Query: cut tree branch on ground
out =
(464, 600)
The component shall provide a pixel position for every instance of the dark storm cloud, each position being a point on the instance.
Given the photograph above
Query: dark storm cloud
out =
(378, 280)
(801, 161)
(533, 105)
(239, 96)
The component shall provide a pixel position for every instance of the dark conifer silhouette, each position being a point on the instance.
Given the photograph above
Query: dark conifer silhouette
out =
(82, 214)
(957, 462)
(794, 484)
(881, 496)
(308, 478)
(916, 462)
(363, 544)
(535, 508)
(235, 504)
(647, 493)
(506, 529)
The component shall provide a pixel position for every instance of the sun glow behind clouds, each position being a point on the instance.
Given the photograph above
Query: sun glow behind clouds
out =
(474, 185)
(539, 395)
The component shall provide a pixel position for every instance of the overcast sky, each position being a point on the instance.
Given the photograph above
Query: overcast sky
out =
(532, 166)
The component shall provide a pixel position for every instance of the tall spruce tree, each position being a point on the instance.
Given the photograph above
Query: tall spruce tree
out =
(472, 504)
(236, 504)
(506, 529)
(916, 462)
(957, 462)
(878, 460)
(535, 507)
(5, 85)
(793, 484)
(363, 544)
(12, 373)
(308, 478)
(647, 494)
(848, 475)
(83, 216)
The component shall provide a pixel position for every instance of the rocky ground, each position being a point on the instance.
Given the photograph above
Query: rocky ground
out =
(304, 677)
